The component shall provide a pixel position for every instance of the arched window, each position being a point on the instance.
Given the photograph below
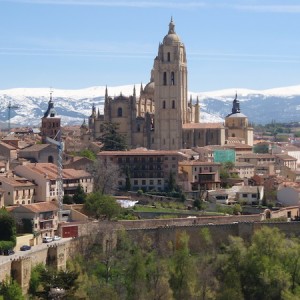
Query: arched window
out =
(169, 56)
(172, 78)
(165, 78)
(164, 104)
(120, 112)
(173, 103)
(50, 159)
(233, 135)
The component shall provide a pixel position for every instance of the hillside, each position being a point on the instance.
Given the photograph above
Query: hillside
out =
(280, 104)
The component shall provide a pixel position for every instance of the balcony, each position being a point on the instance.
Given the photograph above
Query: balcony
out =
(46, 218)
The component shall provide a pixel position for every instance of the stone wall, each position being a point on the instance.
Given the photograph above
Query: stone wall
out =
(161, 234)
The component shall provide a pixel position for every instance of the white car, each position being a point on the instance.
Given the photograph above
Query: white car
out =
(56, 238)
(47, 239)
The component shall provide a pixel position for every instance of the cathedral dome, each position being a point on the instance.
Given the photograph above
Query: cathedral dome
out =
(149, 88)
(171, 37)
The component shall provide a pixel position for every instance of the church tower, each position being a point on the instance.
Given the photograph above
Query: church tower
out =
(170, 95)
(50, 123)
(237, 126)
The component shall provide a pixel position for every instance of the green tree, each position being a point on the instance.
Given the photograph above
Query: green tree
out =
(171, 182)
(265, 277)
(67, 199)
(127, 183)
(66, 280)
(261, 148)
(10, 290)
(231, 268)
(112, 140)
(35, 278)
(79, 195)
(99, 205)
(157, 275)
(88, 154)
(182, 270)
(7, 230)
(135, 275)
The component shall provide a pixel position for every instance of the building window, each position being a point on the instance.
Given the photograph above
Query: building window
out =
(173, 103)
(120, 112)
(165, 78)
(138, 127)
(164, 104)
(172, 78)
(169, 56)
(245, 195)
(143, 182)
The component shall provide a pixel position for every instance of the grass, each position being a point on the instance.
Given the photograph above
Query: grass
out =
(159, 209)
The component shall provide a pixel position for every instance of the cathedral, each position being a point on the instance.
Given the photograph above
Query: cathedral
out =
(162, 117)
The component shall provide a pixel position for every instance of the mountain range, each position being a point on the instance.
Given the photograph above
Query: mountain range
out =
(261, 106)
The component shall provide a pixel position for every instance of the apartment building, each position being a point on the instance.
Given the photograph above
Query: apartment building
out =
(17, 190)
(149, 169)
(45, 176)
(43, 216)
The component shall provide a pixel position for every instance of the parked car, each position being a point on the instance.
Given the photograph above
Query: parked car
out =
(47, 239)
(56, 238)
(25, 248)
(8, 252)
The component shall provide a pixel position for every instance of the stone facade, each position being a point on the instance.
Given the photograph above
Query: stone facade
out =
(148, 169)
(162, 117)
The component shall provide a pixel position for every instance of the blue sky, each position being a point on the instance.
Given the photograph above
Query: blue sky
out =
(74, 44)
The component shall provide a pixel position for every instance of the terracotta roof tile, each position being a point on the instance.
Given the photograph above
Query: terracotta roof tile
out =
(41, 207)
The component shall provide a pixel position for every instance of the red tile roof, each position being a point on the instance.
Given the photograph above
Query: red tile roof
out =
(41, 207)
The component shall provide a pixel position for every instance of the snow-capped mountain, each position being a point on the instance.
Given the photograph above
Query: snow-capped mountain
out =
(280, 104)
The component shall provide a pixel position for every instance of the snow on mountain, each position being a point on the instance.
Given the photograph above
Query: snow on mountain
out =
(282, 104)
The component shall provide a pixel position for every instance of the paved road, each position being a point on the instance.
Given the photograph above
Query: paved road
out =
(18, 253)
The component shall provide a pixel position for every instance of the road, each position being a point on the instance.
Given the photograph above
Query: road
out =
(19, 254)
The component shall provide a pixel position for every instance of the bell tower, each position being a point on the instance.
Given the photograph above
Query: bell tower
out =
(50, 123)
(171, 105)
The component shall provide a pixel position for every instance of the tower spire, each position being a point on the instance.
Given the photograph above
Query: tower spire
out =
(106, 92)
(236, 105)
(51, 92)
(134, 92)
(141, 89)
(171, 26)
